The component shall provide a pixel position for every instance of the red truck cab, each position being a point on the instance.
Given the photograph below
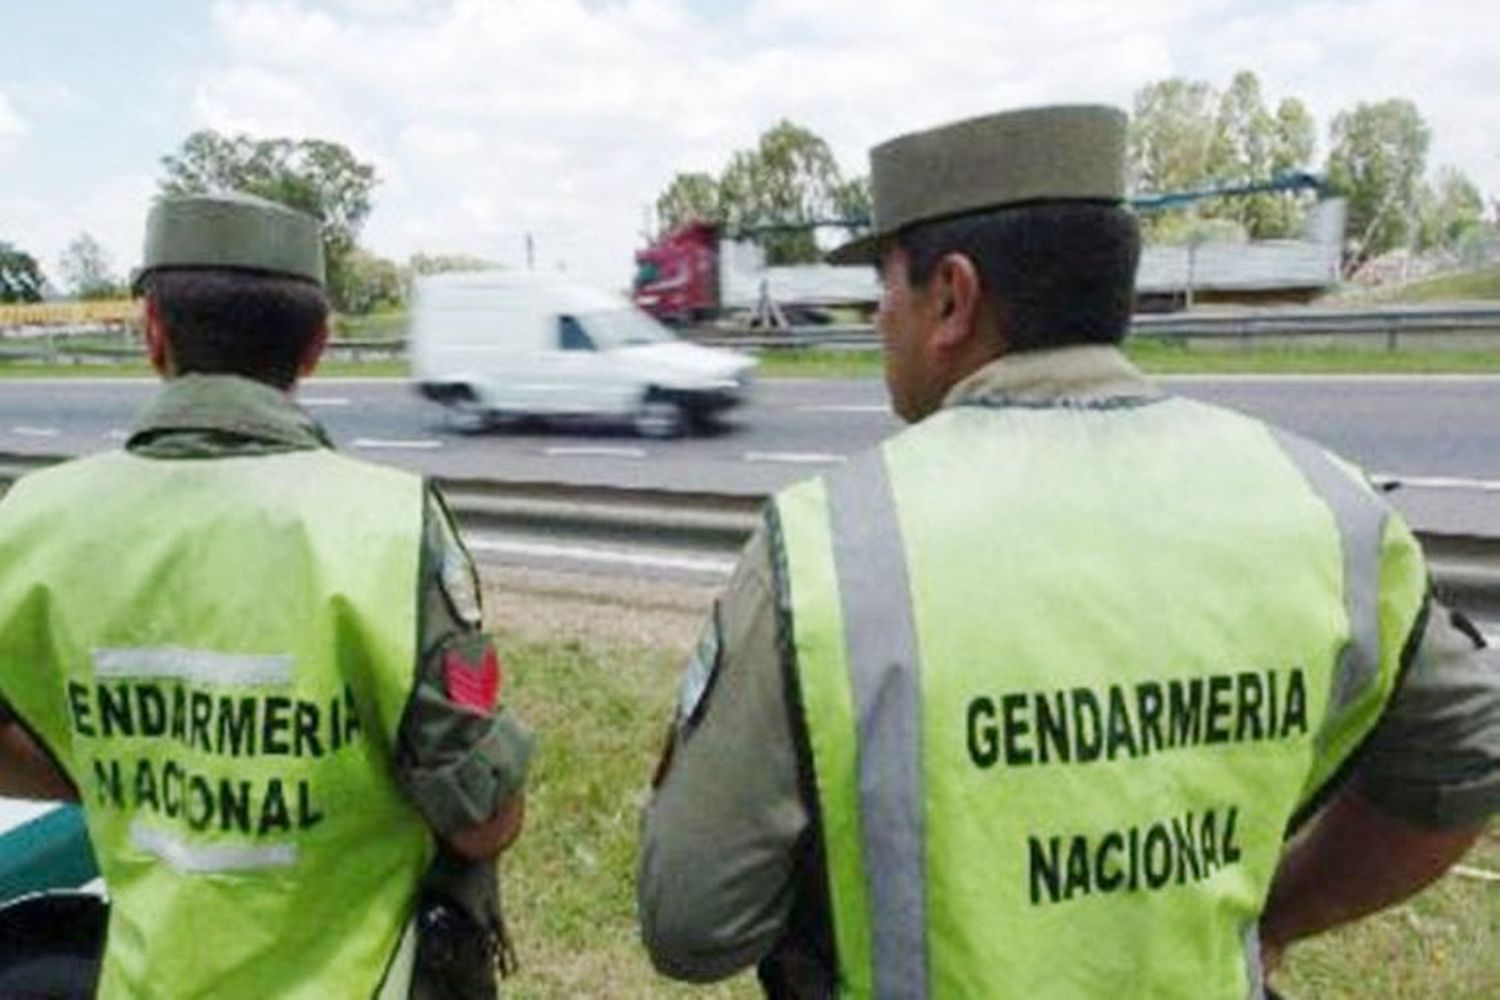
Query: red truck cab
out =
(677, 277)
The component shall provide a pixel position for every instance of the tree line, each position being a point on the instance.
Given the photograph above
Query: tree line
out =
(1185, 135)
(324, 179)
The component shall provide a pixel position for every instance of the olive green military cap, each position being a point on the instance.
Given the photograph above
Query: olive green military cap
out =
(231, 230)
(1060, 153)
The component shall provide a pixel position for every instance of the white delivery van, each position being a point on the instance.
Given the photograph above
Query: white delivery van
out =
(497, 344)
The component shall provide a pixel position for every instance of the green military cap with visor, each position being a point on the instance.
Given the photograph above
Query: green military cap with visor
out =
(234, 231)
(1060, 153)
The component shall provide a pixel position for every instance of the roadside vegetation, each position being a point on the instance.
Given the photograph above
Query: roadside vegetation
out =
(601, 704)
(1477, 285)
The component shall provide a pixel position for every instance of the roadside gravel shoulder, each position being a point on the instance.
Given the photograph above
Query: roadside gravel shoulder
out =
(540, 606)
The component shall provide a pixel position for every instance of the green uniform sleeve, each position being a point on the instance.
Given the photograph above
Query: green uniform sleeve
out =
(462, 753)
(1434, 758)
(717, 878)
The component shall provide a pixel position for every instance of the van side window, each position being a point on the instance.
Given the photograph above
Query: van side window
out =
(570, 335)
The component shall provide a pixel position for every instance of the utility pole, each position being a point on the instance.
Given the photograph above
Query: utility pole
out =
(530, 253)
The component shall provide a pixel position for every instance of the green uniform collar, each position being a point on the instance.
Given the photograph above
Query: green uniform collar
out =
(207, 416)
(1088, 374)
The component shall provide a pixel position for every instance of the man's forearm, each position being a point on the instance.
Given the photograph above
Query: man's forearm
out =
(1354, 861)
(25, 771)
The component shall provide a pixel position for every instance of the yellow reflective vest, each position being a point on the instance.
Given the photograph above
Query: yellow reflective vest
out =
(1068, 672)
(219, 653)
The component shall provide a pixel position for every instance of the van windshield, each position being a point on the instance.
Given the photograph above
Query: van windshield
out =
(613, 328)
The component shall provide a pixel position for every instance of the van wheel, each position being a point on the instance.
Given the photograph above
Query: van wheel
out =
(470, 417)
(659, 417)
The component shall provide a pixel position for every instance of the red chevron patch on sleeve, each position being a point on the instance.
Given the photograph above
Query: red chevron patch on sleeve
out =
(473, 685)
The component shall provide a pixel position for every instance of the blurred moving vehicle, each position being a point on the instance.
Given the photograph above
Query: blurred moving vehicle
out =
(493, 345)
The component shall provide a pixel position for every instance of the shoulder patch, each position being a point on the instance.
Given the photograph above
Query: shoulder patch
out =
(472, 677)
(698, 678)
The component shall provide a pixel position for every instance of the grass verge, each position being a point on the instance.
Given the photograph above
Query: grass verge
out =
(600, 709)
(570, 882)
(1481, 284)
(1443, 943)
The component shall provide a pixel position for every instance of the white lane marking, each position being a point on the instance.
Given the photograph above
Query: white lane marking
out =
(323, 401)
(1439, 482)
(794, 457)
(393, 443)
(117, 434)
(35, 432)
(845, 408)
(584, 553)
(600, 452)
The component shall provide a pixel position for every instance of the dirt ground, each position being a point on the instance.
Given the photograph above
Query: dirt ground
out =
(540, 606)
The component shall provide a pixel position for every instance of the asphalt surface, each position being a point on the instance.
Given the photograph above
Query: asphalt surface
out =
(1440, 433)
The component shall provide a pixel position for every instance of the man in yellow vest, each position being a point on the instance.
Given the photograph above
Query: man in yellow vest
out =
(258, 665)
(1027, 700)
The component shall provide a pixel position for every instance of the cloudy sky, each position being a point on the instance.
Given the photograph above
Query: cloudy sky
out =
(490, 119)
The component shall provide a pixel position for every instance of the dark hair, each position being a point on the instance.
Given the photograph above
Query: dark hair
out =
(226, 322)
(1054, 273)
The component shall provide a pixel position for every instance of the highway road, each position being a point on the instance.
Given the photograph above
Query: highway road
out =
(1441, 433)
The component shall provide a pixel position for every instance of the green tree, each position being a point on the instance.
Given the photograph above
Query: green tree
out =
(780, 190)
(1184, 135)
(1173, 139)
(21, 279)
(86, 269)
(321, 178)
(854, 201)
(1172, 145)
(1450, 210)
(422, 263)
(1252, 145)
(368, 283)
(777, 194)
(1377, 157)
(690, 197)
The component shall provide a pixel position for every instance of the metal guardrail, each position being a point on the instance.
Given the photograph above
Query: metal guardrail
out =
(1393, 324)
(54, 348)
(1465, 568)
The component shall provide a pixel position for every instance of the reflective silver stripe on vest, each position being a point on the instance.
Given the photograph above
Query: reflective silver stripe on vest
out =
(202, 666)
(1361, 518)
(884, 675)
(195, 858)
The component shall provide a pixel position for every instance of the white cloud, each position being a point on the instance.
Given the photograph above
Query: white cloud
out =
(488, 119)
(113, 212)
(12, 125)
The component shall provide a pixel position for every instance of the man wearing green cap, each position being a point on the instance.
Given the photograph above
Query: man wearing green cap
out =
(1026, 700)
(257, 664)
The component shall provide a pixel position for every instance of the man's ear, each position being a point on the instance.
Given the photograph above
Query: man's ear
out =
(956, 300)
(314, 351)
(158, 347)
